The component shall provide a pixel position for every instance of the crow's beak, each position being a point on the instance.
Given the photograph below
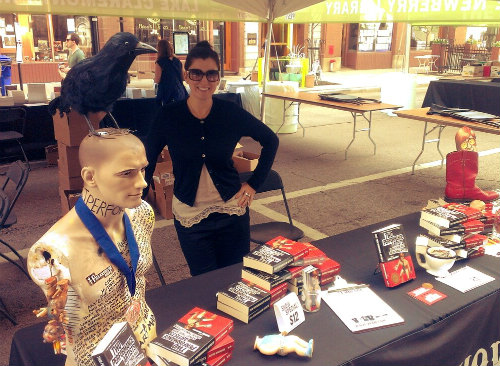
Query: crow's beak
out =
(142, 48)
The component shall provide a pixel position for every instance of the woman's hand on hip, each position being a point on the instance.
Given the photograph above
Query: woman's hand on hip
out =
(245, 195)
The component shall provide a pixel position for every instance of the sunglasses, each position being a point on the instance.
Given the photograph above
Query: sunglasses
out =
(197, 75)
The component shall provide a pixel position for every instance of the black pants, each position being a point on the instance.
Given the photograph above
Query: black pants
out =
(217, 241)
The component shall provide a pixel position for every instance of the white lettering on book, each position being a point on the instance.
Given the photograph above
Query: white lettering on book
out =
(126, 354)
(181, 339)
(397, 242)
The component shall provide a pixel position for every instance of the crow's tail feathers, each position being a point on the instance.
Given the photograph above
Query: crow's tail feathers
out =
(56, 104)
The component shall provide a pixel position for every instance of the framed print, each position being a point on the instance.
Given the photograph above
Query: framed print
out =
(9, 41)
(181, 43)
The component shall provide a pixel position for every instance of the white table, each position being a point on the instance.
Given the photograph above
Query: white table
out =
(427, 62)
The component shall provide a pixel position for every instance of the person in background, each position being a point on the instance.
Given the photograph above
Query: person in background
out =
(75, 53)
(210, 205)
(168, 75)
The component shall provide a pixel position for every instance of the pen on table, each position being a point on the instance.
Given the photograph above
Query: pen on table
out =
(353, 287)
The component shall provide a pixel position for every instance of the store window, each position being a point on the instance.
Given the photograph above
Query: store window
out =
(422, 36)
(151, 30)
(7, 35)
(370, 37)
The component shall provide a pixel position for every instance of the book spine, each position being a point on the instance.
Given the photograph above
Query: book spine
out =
(219, 351)
(379, 249)
(257, 312)
(279, 266)
(262, 302)
(384, 274)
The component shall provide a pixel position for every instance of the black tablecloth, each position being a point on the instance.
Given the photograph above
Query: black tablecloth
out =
(445, 333)
(483, 96)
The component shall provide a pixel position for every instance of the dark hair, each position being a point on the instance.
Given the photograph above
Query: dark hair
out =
(202, 50)
(75, 38)
(164, 49)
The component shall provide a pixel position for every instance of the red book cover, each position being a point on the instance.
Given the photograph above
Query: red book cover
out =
(314, 256)
(326, 280)
(296, 271)
(328, 268)
(278, 296)
(225, 345)
(470, 212)
(398, 270)
(221, 360)
(295, 248)
(215, 325)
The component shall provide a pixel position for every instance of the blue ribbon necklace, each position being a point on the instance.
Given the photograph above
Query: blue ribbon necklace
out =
(101, 236)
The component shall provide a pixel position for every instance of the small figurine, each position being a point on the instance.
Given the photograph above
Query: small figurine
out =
(283, 344)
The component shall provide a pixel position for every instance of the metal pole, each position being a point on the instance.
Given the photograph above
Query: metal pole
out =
(266, 58)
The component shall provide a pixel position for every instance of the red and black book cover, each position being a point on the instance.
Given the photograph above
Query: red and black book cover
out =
(265, 280)
(182, 345)
(395, 261)
(467, 227)
(267, 259)
(443, 216)
(225, 345)
(295, 248)
(398, 271)
(328, 269)
(314, 256)
(470, 212)
(213, 324)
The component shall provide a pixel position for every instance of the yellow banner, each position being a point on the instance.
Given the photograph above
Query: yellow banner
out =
(165, 9)
(391, 11)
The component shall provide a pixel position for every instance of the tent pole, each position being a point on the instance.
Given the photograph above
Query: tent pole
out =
(406, 65)
(267, 54)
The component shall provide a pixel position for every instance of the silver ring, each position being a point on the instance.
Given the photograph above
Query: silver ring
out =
(247, 194)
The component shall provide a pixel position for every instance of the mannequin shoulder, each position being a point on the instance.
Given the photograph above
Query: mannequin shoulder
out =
(143, 214)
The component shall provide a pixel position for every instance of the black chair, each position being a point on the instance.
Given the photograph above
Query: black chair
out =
(4, 208)
(262, 233)
(12, 127)
(15, 180)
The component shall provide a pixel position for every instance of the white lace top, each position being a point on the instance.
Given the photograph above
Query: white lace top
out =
(208, 200)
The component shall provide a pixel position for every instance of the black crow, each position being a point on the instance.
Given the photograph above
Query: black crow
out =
(94, 84)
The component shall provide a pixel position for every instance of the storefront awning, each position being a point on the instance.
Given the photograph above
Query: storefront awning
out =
(439, 12)
(165, 9)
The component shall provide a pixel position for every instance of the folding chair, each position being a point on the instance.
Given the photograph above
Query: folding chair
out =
(15, 180)
(12, 127)
(262, 233)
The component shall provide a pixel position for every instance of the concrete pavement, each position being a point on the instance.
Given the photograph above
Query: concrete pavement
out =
(327, 194)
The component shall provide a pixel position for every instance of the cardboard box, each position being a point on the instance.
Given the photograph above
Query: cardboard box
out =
(163, 200)
(70, 183)
(51, 155)
(470, 70)
(69, 164)
(7, 101)
(495, 71)
(18, 95)
(163, 185)
(245, 161)
(68, 199)
(133, 93)
(71, 128)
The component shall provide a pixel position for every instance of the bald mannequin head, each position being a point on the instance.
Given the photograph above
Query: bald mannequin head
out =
(94, 149)
(113, 163)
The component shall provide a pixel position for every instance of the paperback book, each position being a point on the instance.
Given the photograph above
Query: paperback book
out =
(295, 248)
(467, 227)
(119, 347)
(246, 298)
(443, 216)
(187, 341)
(213, 324)
(267, 259)
(395, 261)
(265, 280)
(328, 270)
(225, 345)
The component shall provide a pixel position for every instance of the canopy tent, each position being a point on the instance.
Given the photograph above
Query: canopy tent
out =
(429, 12)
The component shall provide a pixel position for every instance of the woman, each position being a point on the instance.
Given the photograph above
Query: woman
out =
(210, 204)
(168, 75)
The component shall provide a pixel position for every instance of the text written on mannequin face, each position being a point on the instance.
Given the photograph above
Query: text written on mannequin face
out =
(98, 206)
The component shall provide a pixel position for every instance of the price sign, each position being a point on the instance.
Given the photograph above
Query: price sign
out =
(289, 313)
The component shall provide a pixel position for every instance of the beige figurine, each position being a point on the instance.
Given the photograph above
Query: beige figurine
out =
(283, 344)
(91, 263)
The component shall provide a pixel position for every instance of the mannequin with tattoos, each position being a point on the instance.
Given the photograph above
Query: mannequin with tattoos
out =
(100, 251)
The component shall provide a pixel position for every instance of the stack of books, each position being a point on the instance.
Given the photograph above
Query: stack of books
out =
(268, 272)
(198, 338)
(456, 226)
